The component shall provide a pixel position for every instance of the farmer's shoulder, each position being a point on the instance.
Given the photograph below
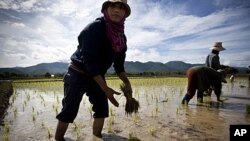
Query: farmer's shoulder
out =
(98, 25)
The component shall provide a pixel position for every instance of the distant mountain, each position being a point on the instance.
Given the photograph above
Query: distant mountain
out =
(59, 67)
(147, 67)
(39, 69)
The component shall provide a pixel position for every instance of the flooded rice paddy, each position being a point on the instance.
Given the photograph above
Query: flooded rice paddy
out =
(33, 108)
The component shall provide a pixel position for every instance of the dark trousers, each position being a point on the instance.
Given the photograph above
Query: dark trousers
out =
(75, 86)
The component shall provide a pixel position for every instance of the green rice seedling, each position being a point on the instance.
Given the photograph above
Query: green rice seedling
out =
(57, 111)
(152, 96)
(57, 99)
(6, 131)
(76, 130)
(110, 123)
(13, 98)
(199, 100)
(33, 116)
(78, 133)
(23, 107)
(6, 128)
(136, 94)
(132, 105)
(111, 111)
(42, 99)
(152, 131)
(91, 111)
(15, 112)
(49, 134)
(75, 126)
(55, 107)
(5, 137)
(156, 107)
(135, 118)
(27, 96)
(84, 100)
(25, 103)
(42, 124)
(147, 100)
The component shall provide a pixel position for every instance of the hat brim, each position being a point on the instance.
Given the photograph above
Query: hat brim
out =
(106, 3)
(218, 48)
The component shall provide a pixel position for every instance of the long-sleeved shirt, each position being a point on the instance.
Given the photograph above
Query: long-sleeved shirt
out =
(213, 61)
(94, 54)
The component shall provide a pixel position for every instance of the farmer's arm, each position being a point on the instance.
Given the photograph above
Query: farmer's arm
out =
(120, 71)
(108, 91)
(216, 63)
(125, 80)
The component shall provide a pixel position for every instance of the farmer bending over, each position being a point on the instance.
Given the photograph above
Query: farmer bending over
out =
(201, 78)
(101, 44)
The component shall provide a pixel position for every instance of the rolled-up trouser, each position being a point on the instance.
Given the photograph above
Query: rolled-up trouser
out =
(75, 85)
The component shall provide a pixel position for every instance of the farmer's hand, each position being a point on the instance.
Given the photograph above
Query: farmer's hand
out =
(108, 91)
(110, 95)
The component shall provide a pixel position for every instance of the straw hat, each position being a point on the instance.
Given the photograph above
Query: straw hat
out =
(124, 2)
(223, 75)
(218, 46)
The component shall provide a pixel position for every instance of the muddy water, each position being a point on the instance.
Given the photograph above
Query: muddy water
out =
(31, 116)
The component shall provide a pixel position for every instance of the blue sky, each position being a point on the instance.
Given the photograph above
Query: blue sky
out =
(43, 31)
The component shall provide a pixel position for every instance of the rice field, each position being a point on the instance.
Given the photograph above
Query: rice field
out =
(34, 106)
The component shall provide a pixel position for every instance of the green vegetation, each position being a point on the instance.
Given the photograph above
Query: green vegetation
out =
(40, 100)
(6, 91)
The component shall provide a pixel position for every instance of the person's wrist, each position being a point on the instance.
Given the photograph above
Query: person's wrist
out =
(105, 89)
(127, 83)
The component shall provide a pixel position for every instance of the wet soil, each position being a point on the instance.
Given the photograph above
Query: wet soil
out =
(31, 116)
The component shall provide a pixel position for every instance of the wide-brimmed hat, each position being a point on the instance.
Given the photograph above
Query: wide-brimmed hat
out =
(218, 46)
(223, 75)
(124, 2)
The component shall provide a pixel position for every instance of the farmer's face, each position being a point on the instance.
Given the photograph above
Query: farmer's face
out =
(116, 12)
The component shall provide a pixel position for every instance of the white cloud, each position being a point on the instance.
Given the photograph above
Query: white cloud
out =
(144, 56)
(155, 32)
(18, 25)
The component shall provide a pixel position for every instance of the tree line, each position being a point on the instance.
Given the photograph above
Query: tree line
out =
(11, 75)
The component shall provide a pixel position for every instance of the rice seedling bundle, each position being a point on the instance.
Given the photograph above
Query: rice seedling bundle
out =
(132, 105)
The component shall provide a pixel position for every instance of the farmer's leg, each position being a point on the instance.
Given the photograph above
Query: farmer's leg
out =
(70, 103)
(200, 97)
(192, 86)
(100, 108)
(98, 126)
(60, 130)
